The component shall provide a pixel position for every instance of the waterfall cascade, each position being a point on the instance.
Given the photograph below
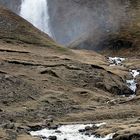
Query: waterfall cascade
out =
(36, 12)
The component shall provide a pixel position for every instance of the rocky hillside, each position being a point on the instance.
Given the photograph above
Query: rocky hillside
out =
(15, 29)
(41, 81)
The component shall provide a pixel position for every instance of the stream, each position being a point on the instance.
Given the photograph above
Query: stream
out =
(131, 83)
(70, 132)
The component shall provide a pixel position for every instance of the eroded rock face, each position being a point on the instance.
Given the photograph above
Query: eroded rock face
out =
(70, 19)
(91, 22)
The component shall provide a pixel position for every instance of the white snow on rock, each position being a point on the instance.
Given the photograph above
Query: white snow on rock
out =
(115, 61)
(69, 132)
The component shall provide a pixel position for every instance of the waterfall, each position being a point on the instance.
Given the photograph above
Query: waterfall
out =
(36, 12)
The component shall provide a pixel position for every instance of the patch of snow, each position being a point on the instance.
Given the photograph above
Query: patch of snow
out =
(116, 61)
(69, 132)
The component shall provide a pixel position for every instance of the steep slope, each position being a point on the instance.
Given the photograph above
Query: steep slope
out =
(15, 29)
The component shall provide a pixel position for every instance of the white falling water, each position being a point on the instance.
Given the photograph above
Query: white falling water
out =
(36, 12)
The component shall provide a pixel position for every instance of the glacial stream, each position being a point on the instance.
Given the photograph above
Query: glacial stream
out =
(36, 12)
(131, 83)
(69, 132)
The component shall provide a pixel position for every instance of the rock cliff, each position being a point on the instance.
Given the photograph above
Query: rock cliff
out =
(88, 23)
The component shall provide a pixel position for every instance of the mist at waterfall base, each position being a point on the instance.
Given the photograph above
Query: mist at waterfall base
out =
(36, 12)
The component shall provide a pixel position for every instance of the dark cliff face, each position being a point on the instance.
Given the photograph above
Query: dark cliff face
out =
(90, 23)
(123, 30)
(71, 18)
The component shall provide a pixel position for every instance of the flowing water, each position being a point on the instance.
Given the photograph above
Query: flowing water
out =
(69, 132)
(36, 12)
(132, 84)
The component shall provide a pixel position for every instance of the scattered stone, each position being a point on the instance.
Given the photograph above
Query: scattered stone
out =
(94, 127)
(58, 131)
(22, 129)
(81, 130)
(8, 126)
(88, 134)
(49, 120)
(52, 138)
(12, 135)
(87, 128)
(35, 127)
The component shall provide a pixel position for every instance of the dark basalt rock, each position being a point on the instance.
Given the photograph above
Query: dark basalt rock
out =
(52, 138)
(81, 130)
(35, 127)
